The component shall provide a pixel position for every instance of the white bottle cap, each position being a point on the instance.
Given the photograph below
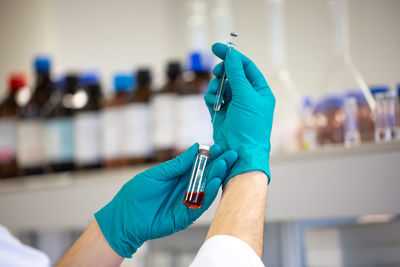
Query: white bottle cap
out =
(204, 147)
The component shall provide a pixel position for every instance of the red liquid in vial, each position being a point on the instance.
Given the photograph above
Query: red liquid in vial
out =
(193, 200)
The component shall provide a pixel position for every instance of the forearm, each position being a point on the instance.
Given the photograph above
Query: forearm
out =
(242, 208)
(91, 249)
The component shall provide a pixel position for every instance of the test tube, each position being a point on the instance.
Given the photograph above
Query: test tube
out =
(194, 195)
(220, 93)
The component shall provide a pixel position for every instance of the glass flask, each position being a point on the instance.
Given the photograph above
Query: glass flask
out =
(288, 98)
(342, 74)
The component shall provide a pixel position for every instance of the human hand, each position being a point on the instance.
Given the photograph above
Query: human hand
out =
(244, 122)
(150, 205)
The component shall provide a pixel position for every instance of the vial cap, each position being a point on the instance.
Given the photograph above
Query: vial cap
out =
(197, 62)
(398, 90)
(123, 83)
(375, 89)
(42, 64)
(329, 102)
(16, 81)
(143, 76)
(91, 77)
(204, 149)
(174, 69)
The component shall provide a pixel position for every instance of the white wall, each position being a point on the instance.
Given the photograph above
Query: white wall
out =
(125, 34)
(26, 29)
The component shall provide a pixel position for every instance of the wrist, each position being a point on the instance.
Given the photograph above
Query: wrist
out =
(257, 180)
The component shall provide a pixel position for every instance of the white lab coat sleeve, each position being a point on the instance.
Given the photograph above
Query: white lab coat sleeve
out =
(14, 253)
(225, 250)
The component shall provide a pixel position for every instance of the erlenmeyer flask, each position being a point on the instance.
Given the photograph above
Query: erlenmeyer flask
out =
(286, 117)
(342, 74)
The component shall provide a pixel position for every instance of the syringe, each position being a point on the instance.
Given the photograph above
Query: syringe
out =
(220, 93)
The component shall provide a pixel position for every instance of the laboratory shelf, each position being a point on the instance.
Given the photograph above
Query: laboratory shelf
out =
(329, 183)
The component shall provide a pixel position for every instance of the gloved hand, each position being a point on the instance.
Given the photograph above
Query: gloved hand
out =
(245, 120)
(151, 205)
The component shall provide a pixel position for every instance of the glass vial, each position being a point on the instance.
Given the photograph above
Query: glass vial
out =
(382, 131)
(393, 113)
(194, 195)
(351, 133)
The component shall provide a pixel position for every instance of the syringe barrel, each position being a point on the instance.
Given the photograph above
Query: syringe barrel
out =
(220, 93)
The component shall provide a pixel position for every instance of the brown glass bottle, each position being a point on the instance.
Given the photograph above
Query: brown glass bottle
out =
(193, 119)
(330, 121)
(30, 130)
(163, 109)
(87, 127)
(59, 125)
(137, 138)
(112, 125)
(365, 116)
(8, 127)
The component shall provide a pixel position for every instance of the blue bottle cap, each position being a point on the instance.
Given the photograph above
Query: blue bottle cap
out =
(42, 64)
(334, 101)
(398, 90)
(329, 102)
(378, 89)
(197, 62)
(123, 83)
(90, 77)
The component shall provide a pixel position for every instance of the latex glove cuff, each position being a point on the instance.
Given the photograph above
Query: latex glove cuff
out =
(251, 158)
(123, 244)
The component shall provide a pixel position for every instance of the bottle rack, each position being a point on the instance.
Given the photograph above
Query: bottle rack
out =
(335, 182)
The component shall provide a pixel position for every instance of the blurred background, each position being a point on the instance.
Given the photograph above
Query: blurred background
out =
(94, 92)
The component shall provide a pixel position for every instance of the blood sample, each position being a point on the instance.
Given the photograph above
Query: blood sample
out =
(195, 193)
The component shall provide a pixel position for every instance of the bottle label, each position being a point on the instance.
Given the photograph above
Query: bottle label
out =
(137, 139)
(194, 122)
(59, 140)
(8, 142)
(112, 131)
(163, 120)
(87, 137)
(30, 149)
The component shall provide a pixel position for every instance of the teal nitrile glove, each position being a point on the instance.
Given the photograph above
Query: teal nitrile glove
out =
(244, 122)
(150, 205)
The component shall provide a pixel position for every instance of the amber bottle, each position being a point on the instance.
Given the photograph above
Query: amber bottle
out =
(8, 127)
(163, 111)
(112, 124)
(137, 140)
